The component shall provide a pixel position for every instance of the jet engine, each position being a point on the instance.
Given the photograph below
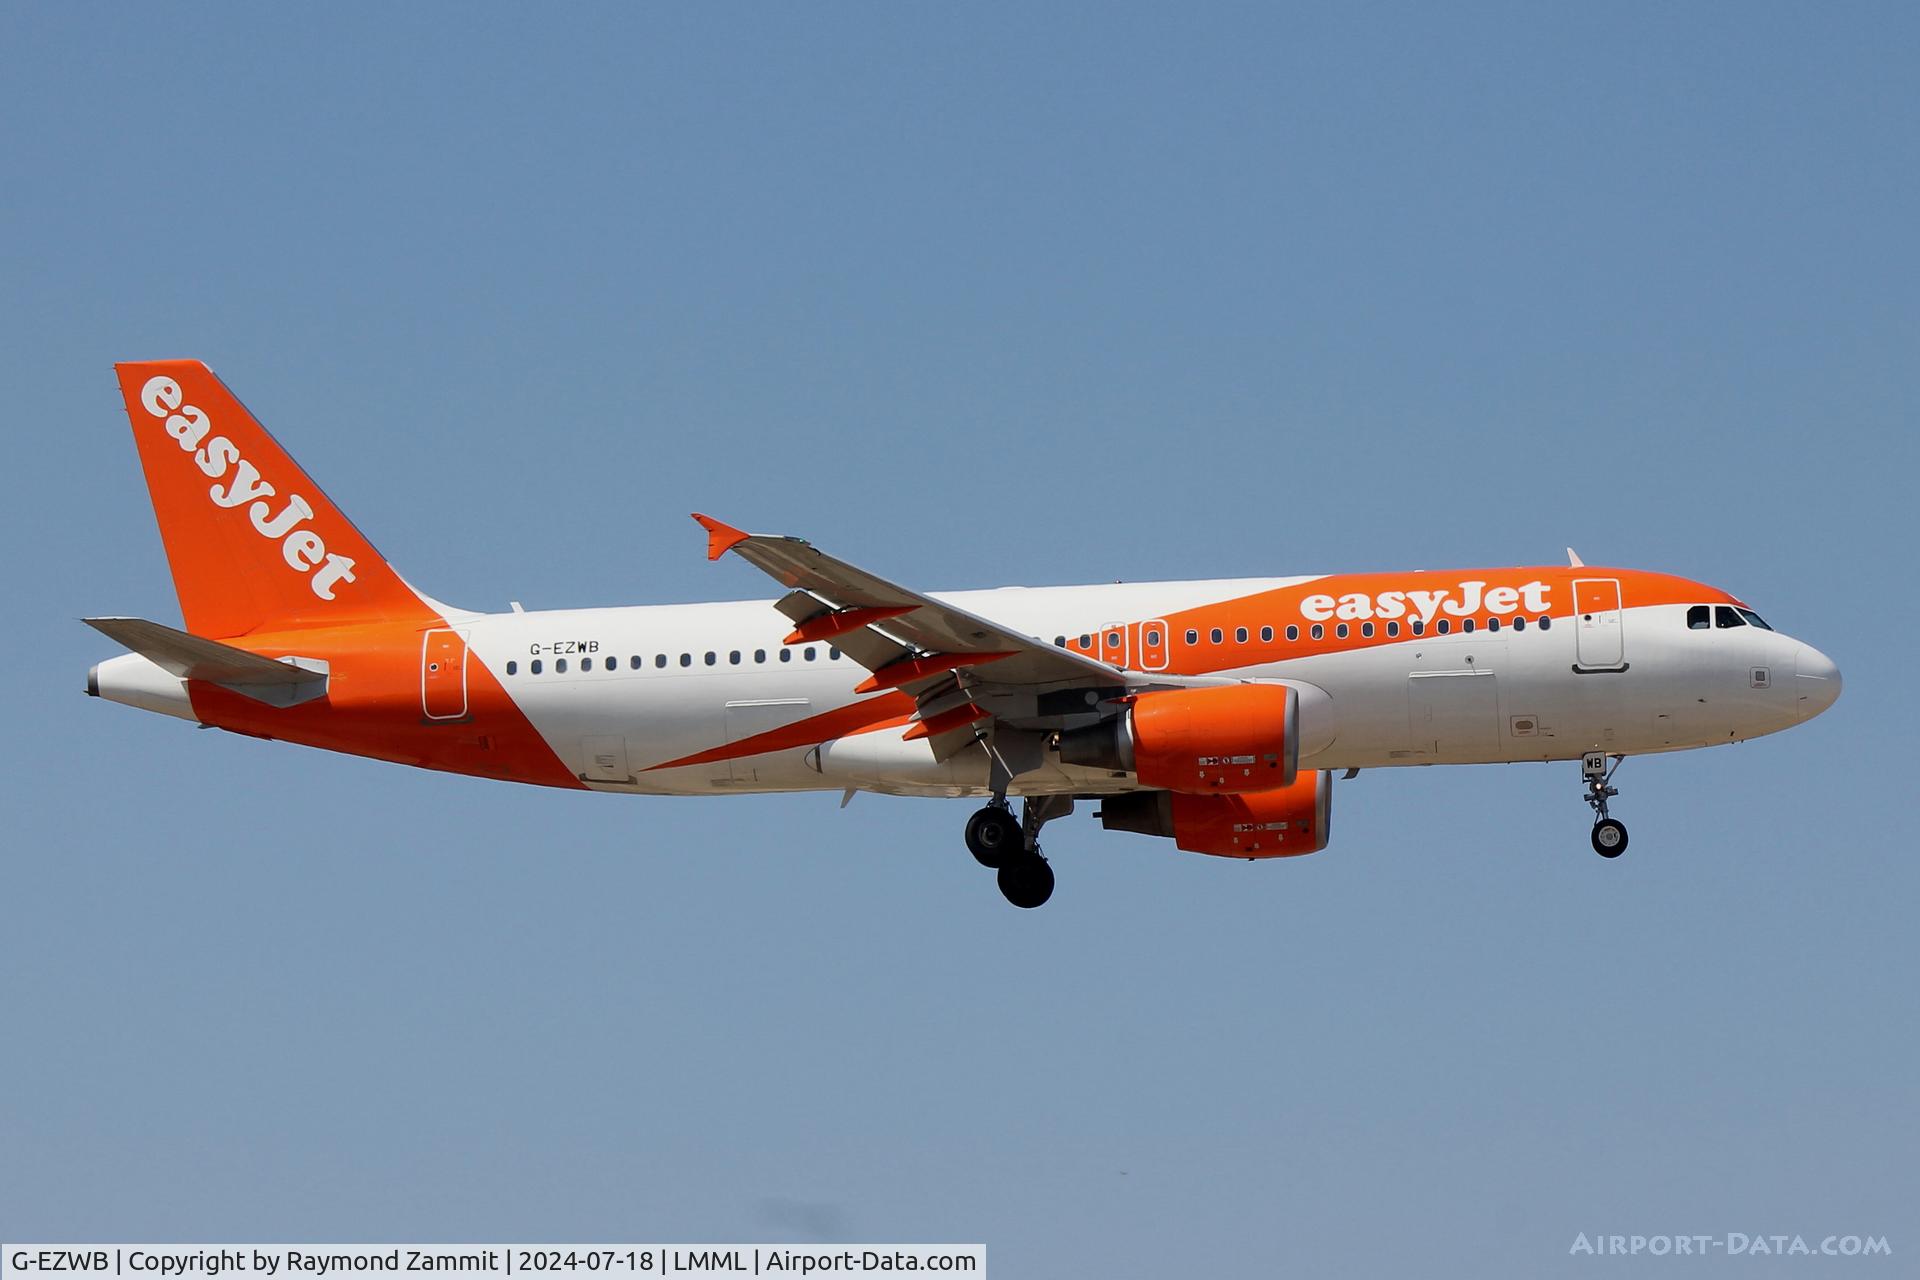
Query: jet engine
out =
(1280, 823)
(1225, 739)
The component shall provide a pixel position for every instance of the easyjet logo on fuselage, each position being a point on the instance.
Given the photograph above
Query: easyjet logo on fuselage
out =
(304, 550)
(1472, 598)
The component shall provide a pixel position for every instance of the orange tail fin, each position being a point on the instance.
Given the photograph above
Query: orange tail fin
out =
(253, 542)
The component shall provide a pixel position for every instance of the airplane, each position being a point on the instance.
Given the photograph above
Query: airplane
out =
(1212, 713)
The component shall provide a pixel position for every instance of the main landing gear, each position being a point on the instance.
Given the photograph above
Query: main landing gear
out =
(1609, 834)
(1011, 847)
(992, 833)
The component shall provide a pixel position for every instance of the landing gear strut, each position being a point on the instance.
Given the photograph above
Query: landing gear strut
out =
(1012, 848)
(1609, 834)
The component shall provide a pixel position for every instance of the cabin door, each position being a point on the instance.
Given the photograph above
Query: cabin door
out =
(1597, 624)
(443, 674)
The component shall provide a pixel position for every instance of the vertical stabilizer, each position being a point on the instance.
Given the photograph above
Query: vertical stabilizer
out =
(253, 543)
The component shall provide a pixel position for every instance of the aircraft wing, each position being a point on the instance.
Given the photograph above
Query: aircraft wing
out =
(949, 659)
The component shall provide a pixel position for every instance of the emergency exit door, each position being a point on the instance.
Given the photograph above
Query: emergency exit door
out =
(1138, 646)
(1153, 645)
(443, 674)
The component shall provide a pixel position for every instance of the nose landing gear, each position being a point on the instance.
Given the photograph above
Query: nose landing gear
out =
(1609, 834)
(1011, 849)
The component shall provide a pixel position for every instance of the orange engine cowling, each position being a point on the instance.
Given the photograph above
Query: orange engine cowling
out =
(1226, 739)
(1280, 823)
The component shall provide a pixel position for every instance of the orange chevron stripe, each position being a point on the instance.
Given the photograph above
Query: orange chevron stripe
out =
(863, 716)
(373, 708)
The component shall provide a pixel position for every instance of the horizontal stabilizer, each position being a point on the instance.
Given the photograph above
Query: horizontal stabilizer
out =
(282, 682)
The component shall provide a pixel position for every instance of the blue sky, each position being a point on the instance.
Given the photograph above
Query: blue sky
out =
(972, 297)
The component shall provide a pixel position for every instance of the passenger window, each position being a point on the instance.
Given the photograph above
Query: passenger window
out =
(1466, 626)
(1366, 629)
(1444, 626)
(1723, 616)
(1419, 627)
(1293, 632)
(686, 659)
(1341, 631)
(1493, 624)
(534, 666)
(786, 655)
(1697, 618)
(1240, 635)
(712, 658)
(1059, 642)
(613, 663)
(833, 655)
(807, 653)
(1153, 637)
(1216, 635)
(1754, 619)
(659, 659)
(635, 664)
(1319, 631)
(1086, 641)
(759, 655)
(1546, 622)
(1393, 629)
(513, 668)
(1193, 637)
(560, 664)
(1266, 635)
(734, 658)
(1519, 624)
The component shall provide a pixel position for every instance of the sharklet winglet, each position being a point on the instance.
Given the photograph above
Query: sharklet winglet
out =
(721, 537)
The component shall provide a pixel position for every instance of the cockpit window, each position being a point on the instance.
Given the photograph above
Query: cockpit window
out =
(1727, 616)
(1698, 618)
(1754, 619)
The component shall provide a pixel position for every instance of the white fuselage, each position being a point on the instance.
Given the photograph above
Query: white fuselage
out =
(715, 675)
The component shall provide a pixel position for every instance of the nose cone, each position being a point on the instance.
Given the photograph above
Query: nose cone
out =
(1816, 681)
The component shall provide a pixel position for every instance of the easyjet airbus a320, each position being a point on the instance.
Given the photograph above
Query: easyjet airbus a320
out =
(1211, 713)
